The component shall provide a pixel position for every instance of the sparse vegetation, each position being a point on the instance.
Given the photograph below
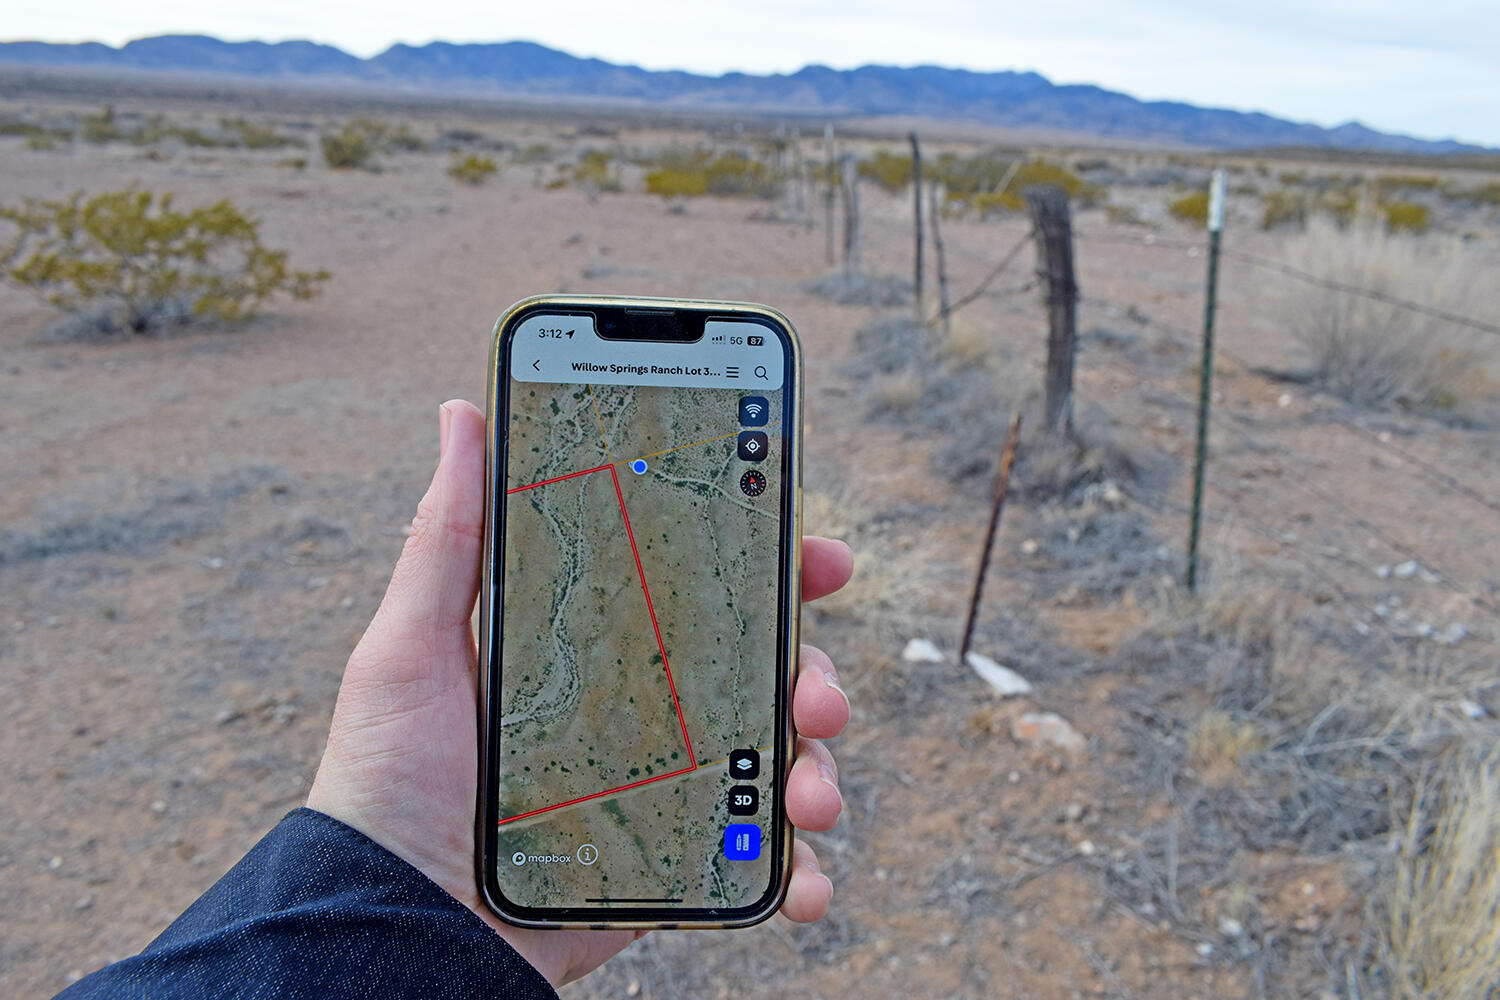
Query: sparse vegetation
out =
(595, 171)
(690, 173)
(1405, 217)
(1282, 209)
(987, 184)
(251, 135)
(1192, 208)
(1438, 909)
(1375, 354)
(350, 148)
(471, 168)
(133, 263)
(891, 171)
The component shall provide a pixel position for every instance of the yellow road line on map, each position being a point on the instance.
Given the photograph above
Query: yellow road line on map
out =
(600, 421)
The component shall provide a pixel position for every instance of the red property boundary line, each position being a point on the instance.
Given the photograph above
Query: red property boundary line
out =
(661, 647)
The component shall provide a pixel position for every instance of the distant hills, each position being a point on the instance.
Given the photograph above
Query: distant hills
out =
(525, 69)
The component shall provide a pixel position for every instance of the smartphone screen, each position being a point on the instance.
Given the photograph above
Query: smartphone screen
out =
(642, 581)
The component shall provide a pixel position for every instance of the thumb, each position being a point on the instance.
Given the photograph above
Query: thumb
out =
(430, 600)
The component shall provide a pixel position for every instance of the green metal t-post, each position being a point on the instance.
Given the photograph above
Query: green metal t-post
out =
(1205, 375)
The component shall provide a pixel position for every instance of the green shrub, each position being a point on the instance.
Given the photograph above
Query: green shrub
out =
(1342, 204)
(100, 128)
(351, 148)
(1283, 208)
(1485, 194)
(134, 263)
(293, 163)
(471, 168)
(254, 136)
(21, 128)
(157, 127)
(1191, 208)
(671, 182)
(403, 139)
(593, 170)
(891, 171)
(42, 142)
(974, 183)
(1405, 217)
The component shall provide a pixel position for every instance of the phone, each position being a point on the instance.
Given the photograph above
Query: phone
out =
(639, 612)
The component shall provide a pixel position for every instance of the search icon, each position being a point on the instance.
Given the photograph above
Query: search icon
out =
(760, 372)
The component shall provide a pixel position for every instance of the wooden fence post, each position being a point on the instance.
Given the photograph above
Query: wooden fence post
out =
(916, 202)
(942, 262)
(1052, 229)
(849, 179)
(828, 179)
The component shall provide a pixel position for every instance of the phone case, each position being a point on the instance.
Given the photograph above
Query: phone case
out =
(789, 642)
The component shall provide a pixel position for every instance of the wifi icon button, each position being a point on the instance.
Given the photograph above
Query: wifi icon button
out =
(754, 411)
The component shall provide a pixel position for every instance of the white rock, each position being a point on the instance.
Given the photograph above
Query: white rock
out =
(1049, 730)
(1004, 680)
(1087, 848)
(1406, 570)
(1204, 949)
(1452, 634)
(1230, 927)
(1384, 572)
(1110, 493)
(921, 651)
(1284, 400)
(1472, 709)
(1031, 547)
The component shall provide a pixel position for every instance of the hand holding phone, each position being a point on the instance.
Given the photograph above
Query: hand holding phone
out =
(639, 613)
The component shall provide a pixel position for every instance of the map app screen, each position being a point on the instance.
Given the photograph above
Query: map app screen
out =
(638, 606)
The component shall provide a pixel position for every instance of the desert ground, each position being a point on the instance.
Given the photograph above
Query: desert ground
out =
(196, 526)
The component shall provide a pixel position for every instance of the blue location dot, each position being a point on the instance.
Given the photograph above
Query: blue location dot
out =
(638, 466)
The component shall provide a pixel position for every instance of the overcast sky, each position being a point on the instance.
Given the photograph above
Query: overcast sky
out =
(1430, 69)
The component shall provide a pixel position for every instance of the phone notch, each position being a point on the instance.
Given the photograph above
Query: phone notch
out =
(669, 326)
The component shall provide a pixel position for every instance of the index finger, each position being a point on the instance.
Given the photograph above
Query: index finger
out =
(827, 565)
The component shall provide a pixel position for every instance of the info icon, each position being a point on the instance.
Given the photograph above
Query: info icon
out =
(753, 446)
(754, 411)
(743, 764)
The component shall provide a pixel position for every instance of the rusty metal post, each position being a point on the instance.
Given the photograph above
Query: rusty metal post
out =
(1002, 487)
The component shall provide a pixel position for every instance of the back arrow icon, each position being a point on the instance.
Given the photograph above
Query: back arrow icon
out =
(537, 364)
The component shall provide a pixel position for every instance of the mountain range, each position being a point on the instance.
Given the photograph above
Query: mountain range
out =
(528, 70)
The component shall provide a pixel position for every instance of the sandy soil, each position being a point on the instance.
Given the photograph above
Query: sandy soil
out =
(193, 532)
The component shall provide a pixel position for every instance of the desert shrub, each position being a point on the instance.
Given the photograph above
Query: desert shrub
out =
(672, 182)
(253, 136)
(537, 152)
(1283, 208)
(293, 163)
(158, 128)
(471, 168)
(100, 128)
(1341, 203)
(1484, 194)
(890, 170)
(1123, 215)
(132, 262)
(1405, 217)
(1407, 182)
(857, 288)
(41, 143)
(1439, 906)
(594, 171)
(689, 173)
(1191, 208)
(974, 183)
(351, 147)
(21, 128)
(1374, 354)
(403, 139)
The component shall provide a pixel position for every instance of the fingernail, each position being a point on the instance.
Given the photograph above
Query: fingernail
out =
(445, 420)
(829, 777)
(831, 679)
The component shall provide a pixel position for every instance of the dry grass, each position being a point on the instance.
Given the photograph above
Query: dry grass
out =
(1374, 354)
(1443, 904)
(1219, 742)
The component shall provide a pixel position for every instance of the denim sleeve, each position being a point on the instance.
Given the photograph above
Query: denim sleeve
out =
(317, 909)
